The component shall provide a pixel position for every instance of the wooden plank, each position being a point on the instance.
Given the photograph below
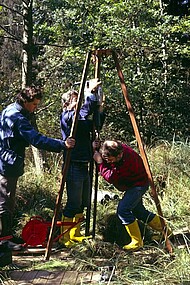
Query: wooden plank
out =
(83, 278)
(101, 52)
(69, 277)
(16, 274)
(95, 277)
(29, 276)
(41, 277)
(56, 278)
(23, 277)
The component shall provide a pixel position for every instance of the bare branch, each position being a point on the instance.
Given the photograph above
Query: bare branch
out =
(12, 39)
(12, 36)
(44, 108)
(28, 3)
(11, 9)
(52, 45)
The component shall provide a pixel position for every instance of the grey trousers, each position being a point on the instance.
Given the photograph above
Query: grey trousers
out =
(7, 203)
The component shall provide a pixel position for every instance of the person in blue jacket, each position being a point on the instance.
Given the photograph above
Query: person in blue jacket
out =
(17, 133)
(78, 179)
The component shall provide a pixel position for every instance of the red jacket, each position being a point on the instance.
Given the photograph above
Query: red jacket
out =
(127, 173)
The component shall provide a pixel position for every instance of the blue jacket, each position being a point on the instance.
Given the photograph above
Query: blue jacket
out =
(83, 147)
(16, 133)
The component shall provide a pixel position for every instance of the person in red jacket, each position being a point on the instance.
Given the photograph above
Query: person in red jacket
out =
(121, 166)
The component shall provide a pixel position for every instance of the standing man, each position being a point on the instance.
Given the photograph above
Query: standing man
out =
(78, 179)
(17, 133)
(121, 166)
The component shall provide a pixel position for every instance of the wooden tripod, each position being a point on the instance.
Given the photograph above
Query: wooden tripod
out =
(98, 54)
(67, 159)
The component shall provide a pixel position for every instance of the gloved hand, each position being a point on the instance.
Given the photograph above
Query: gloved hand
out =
(92, 85)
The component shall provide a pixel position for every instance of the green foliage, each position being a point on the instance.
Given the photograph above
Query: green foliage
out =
(153, 51)
(151, 54)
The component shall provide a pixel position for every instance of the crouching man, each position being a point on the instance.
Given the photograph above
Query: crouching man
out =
(121, 166)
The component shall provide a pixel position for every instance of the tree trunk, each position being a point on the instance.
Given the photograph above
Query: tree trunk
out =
(27, 76)
(164, 53)
(39, 155)
(27, 44)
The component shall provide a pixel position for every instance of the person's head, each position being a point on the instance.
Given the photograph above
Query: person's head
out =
(112, 151)
(29, 98)
(69, 99)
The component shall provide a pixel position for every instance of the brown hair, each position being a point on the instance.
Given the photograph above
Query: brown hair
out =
(67, 98)
(111, 148)
(28, 94)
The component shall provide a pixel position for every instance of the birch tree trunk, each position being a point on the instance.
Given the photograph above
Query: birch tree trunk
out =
(164, 49)
(27, 76)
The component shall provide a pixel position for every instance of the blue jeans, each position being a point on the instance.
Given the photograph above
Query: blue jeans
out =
(78, 189)
(131, 206)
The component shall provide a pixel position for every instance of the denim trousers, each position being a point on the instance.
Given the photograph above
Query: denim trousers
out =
(131, 206)
(78, 189)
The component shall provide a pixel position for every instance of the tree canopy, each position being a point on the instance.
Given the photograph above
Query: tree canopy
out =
(153, 50)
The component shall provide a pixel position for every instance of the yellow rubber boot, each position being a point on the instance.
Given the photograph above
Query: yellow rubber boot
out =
(65, 238)
(136, 238)
(75, 234)
(155, 224)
